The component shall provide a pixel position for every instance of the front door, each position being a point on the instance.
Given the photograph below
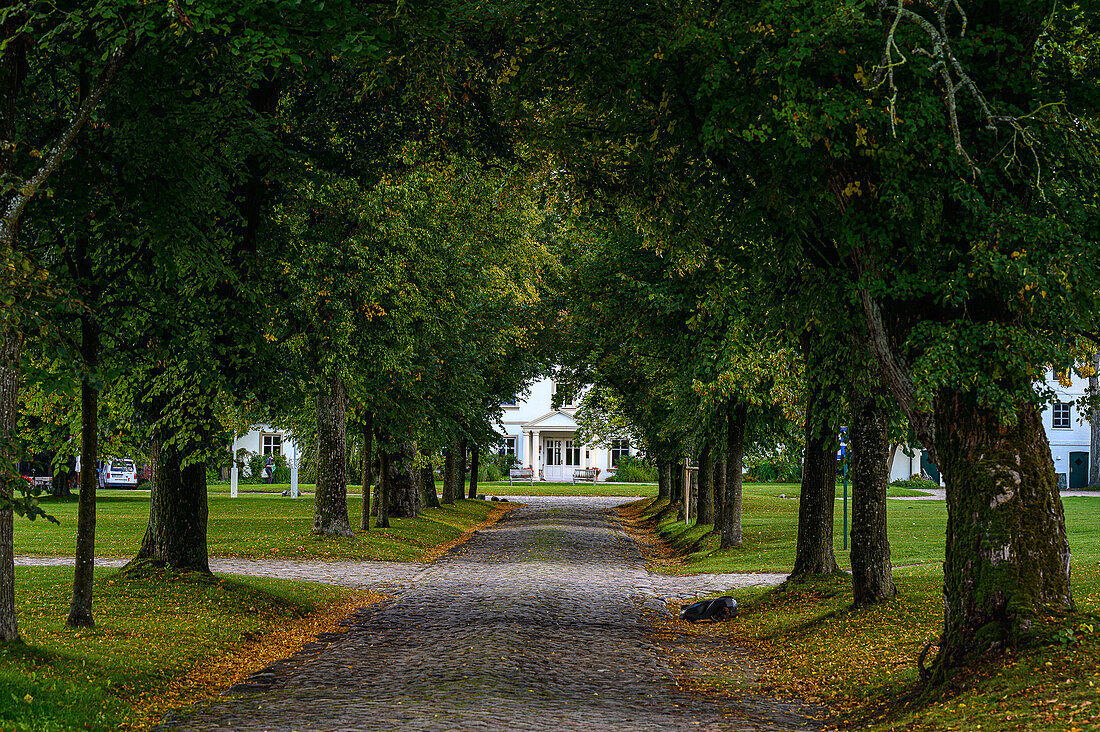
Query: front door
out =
(1078, 470)
(553, 470)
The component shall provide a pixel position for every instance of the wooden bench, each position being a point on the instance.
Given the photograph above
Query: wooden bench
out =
(521, 474)
(590, 474)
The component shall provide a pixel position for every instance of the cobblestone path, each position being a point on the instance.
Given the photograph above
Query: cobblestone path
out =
(538, 623)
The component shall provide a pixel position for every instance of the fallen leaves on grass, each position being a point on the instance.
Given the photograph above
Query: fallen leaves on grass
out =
(213, 675)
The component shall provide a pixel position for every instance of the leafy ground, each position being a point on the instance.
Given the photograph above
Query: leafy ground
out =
(255, 526)
(160, 640)
(861, 662)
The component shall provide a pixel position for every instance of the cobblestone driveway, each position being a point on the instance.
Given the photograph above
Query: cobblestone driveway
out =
(538, 623)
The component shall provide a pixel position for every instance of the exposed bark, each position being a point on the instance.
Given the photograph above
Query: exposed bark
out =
(1007, 558)
(384, 489)
(664, 490)
(704, 504)
(718, 490)
(11, 351)
(368, 456)
(460, 468)
(330, 513)
(475, 458)
(402, 492)
(1094, 424)
(80, 609)
(427, 480)
(176, 534)
(449, 475)
(736, 418)
(872, 574)
(814, 548)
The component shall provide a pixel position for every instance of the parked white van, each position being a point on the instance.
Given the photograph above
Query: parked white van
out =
(118, 473)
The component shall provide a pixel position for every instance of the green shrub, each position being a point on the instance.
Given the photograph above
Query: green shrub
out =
(635, 470)
(916, 483)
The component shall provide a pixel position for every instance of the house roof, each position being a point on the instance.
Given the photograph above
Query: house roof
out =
(555, 419)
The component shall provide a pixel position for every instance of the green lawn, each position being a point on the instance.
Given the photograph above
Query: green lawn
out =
(252, 526)
(861, 662)
(150, 631)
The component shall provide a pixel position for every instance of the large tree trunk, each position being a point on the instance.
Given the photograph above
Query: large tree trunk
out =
(427, 480)
(1094, 424)
(872, 575)
(330, 513)
(718, 490)
(475, 458)
(460, 468)
(814, 548)
(11, 352)
(80, 609)
(449, 474)
(1007, 559)
(368, 457)
(176, 534)
(664, 490)
(383, 488)
(735, 451)
(402, 489)
(704, 504)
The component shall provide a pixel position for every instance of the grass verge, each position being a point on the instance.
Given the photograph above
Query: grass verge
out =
(807, 641)
(161, 640)
(255, 526)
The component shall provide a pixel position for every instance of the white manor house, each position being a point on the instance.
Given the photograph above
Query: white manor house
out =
(544, 439)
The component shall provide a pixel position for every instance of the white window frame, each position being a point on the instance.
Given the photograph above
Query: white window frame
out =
(1061, 416)
(617, 449)
(509, 446)
(269, 446)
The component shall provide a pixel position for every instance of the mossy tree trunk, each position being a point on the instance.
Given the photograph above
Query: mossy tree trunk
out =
(718, 488)
(869, 440)
(383, 488)
(460, 468)
(449, 474)
(80, 607)
(427, 479)
(1007, 557)
(11, 353)
(814, 547)
(368, 459)
(330, 512)
(176, 533)
(704, 507)
(402, 490)
(736, 421)
(475, 458)
(664, 490)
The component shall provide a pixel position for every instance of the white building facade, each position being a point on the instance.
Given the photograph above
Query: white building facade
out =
(544, 439)
(264, 439)
(1067, 424)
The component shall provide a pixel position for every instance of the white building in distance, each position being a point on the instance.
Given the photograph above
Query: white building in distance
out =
(544, 439)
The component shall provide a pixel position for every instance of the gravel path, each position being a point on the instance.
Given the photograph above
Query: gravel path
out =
(538, 623)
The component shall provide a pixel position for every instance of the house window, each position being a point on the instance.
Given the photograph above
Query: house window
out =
(553, 452)
(513, 402)
(272, 445)
(1061, 416)
(509, 446)
(618, 449)
(572, 453)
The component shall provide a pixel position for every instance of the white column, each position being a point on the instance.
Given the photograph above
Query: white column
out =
(233, 480)
(294, 470)
(536, 455)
